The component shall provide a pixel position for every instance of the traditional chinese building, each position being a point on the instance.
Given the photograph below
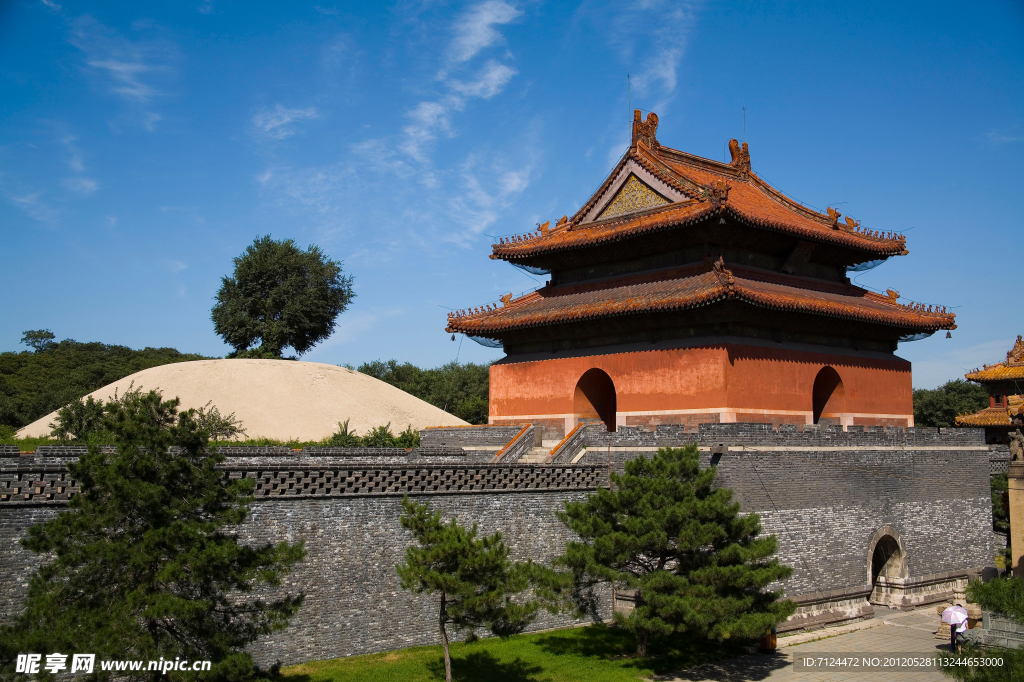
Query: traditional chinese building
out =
(687, 291)
(1005, 384)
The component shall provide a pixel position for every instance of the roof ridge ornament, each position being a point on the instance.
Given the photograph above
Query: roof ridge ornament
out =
(724, 276)
(740, 157)
(1016, 354)
(645, 131)
(717, 193)
(834, 216)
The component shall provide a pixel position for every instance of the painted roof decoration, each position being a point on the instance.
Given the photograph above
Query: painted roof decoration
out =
(693, 189)
(1013, 368)
(634, 196)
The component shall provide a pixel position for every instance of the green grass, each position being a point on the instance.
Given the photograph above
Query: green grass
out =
(588, 654)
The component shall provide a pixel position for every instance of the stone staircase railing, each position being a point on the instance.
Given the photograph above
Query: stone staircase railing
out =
(571, 445)
(515, 448)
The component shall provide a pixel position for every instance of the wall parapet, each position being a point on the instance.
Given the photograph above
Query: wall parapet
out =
(57, 487)
(676, 435)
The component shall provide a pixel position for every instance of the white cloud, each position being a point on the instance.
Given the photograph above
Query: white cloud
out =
(130, 69)
(206, 8)
(943, 366)
(34, 207)
(651, 37)
(277, 124)
(485, 191)
(326, 10)
(475, 30)
(52, 5)
(428, 118)
(489, 82)
(127, 77)
(174, 266)
(84, 186)
(1003, 136)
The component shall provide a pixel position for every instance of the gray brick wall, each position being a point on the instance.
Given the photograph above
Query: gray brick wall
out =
(821, 498)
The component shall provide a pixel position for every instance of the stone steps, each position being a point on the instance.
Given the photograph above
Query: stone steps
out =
(535, 456)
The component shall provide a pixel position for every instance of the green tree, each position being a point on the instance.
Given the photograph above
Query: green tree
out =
(461, 389)
(664, 530)
(473, 577)
(280, 296)
(940, 406)
(38, 340)
(1004, 596)
(145, 560)
(78, 420)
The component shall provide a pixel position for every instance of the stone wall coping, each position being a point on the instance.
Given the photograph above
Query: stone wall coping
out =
(831, 595)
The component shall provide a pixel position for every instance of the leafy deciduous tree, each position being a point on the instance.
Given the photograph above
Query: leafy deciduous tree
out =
(473, 577)
(461, 390)
(280, 296)
(696, 564)
(144, 565)
(940, 406)
(38, 340)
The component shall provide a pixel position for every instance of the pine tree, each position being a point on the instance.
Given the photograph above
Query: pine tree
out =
(474, 578)
(698, 567)
(145, 559)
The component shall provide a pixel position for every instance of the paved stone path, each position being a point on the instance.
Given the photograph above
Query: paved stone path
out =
(889, 632)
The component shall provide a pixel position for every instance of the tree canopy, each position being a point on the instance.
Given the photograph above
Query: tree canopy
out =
(35, 383)
(473, 577)
(461, 390)
(666, 532)
(940, 406)
(145, 563)
(280, 296)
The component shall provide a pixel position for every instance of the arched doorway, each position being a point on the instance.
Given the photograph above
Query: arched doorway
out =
(828, 397)
(594, 398)
(887, 563)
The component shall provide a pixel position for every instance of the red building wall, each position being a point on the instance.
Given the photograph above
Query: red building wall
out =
(721, 383)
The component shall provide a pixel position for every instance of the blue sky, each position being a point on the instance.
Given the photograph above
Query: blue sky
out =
(144, 145)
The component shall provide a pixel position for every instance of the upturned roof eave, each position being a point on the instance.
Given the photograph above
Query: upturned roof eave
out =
(457, 325)
(513, 252)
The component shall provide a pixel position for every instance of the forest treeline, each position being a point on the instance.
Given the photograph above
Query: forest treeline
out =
(461, 390)
(36, 382)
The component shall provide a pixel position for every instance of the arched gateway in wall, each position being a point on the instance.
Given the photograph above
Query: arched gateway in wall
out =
(594, 398)
(887, 561)
(828, 396)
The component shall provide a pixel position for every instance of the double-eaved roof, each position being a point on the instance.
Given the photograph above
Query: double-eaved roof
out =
(1007, 377)
(655, 189)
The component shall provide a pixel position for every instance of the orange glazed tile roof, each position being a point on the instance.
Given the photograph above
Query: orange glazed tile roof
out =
(713, 188)
(995, 416)
(691, 286)
(1013, 368)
